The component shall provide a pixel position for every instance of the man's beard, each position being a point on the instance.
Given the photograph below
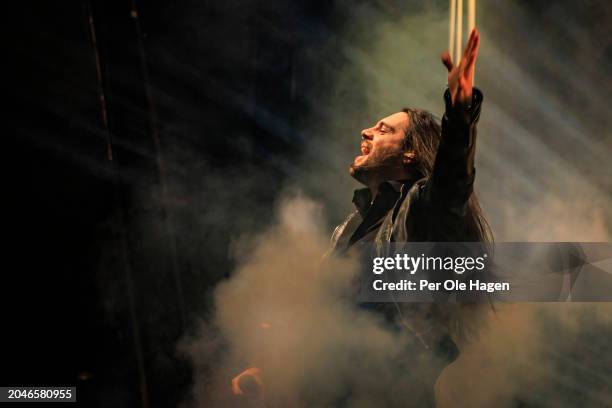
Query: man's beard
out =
(363, 173)
(377, 168)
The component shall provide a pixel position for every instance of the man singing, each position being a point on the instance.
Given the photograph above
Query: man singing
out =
(419, 176)
(419, 179)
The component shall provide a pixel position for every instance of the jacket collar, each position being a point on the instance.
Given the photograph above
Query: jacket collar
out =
(388, 191)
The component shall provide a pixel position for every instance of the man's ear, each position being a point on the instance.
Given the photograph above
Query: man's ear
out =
(409, 157)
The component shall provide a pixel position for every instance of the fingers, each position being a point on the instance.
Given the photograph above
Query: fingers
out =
(468, 53)
(469, 45)
(446, 60)
(475, 42)
(471, 59)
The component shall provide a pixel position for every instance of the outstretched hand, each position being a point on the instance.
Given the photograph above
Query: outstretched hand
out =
(461, 76)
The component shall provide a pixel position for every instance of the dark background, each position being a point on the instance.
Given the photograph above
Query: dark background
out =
(119, 115)
(125, 123)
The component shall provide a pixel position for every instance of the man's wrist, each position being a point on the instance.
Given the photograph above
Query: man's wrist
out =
(466, 105)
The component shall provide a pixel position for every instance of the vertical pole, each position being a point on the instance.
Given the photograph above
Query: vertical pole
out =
(471, 15)
(451, 28)
(459, 32)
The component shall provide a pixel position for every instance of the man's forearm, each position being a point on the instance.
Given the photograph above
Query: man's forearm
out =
(453, 174)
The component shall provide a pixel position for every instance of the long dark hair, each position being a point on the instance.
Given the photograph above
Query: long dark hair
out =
(464, 320)
(423, 137)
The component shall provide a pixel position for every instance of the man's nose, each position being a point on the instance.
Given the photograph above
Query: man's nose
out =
(367, 134)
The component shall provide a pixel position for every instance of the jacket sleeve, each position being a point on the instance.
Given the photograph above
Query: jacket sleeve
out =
(451, 182)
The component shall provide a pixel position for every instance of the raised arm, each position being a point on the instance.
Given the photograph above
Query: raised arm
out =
(451, 183)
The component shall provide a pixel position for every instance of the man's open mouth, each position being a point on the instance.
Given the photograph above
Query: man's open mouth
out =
(365, 149)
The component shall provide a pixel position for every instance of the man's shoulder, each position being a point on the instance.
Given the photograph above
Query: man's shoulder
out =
(341, 227)
(415, 191)
(339, 231)
(412, 197)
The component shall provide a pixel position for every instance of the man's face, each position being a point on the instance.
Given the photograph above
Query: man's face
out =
(382, 151)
